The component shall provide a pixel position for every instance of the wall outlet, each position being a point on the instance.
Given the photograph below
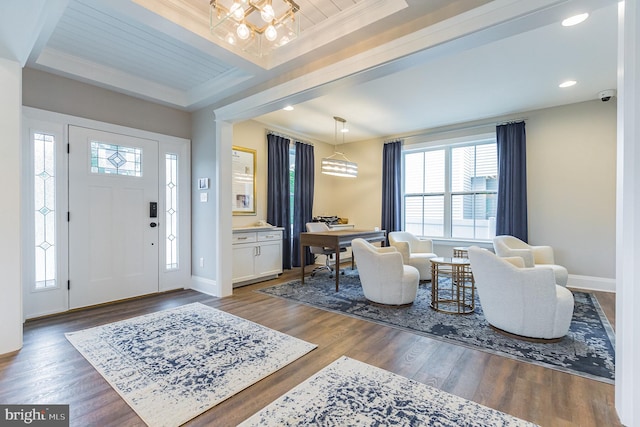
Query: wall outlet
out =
(202, 262)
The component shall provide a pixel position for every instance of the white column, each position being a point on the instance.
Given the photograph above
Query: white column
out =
(10, 244)
(224, 144)
(628, 218)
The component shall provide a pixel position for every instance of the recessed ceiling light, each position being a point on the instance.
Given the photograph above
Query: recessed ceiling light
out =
(575, 20)
(568, 83)
(288, 108)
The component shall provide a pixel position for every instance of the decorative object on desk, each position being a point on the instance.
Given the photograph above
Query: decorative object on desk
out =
(349, 392)
(329, 220)
(243, 181)
(256, 26)
(172, 365)
(338, 164)
(587, 350)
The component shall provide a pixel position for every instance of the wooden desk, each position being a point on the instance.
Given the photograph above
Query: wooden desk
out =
(336, 239)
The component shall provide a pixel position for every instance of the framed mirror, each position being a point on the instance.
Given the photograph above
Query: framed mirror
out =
(243, 181)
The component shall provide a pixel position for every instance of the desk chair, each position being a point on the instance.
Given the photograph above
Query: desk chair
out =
(318, 250)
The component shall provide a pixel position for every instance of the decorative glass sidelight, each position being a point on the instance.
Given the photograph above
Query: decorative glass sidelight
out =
(115, 159)
(44, 212)
(171, 212)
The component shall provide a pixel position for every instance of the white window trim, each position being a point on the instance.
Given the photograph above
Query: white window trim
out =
(446, 144)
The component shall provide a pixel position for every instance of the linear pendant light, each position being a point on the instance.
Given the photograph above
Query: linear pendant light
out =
(338, 164)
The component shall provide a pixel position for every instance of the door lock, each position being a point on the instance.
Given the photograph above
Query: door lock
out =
(153, 224)
(153, 209)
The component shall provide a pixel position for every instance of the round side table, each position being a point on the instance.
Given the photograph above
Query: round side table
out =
(457, 294)
(460, 252)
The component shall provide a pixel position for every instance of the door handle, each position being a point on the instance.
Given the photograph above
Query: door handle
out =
(153, 224)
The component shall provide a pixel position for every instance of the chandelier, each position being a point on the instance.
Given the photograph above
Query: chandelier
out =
(338, 164)
(255, 26)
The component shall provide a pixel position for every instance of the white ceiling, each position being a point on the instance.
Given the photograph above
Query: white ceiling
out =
(512, 75)
(168, 56)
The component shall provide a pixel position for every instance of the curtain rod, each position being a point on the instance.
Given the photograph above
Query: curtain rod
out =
(437, 131)
(292, 139)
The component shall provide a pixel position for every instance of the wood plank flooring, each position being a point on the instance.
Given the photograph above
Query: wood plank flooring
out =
(49, 370)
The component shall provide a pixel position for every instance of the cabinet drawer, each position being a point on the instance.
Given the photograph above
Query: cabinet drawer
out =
(269, 236)
(243, 238)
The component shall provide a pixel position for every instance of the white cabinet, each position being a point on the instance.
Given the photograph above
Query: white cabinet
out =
(257, 254)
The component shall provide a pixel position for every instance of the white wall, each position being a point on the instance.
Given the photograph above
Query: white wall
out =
(10, 161)
(203, 214)
(628, 218)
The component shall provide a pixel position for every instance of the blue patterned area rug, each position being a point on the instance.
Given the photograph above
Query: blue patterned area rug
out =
(172, 365)
(587, 350)
(349, 393)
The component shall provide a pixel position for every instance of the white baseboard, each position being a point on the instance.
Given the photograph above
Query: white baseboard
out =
(206, 286)
(590, 283)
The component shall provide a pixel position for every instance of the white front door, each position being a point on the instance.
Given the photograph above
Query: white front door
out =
(113, 236)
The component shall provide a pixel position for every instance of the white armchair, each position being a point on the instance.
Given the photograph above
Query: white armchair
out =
(415, 252)
(525, 302)
(385, 279)
(533, 256)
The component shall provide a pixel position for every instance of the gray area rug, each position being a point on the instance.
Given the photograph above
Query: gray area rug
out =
(352, 393)
(172, 365)
(587, 350)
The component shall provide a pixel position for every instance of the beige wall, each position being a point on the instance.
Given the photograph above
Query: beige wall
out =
(571, 181)
(251, 134)
(54, 93)
(360, 198)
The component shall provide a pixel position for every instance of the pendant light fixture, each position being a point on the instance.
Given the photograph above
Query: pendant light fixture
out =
(338, 164)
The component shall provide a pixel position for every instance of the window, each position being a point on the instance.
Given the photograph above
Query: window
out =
(451, 191)
(171, 211)
(115, 159)
(44, 191)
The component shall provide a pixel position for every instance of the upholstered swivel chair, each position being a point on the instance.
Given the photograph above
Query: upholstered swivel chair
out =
(525, 302)
(318, 250)
(533, 256)
(415, 252)
(384, 277)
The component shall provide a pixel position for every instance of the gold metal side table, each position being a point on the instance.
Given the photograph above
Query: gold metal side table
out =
(456, 295)
(460, 252)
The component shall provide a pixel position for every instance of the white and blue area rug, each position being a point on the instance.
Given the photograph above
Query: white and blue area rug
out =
(587, 350)
(350, 393)
(172, 365)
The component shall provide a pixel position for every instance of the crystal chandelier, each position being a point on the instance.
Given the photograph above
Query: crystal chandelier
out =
(338, 164)
(256, 26)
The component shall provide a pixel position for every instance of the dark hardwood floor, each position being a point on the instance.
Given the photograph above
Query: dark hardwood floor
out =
(49, 370)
